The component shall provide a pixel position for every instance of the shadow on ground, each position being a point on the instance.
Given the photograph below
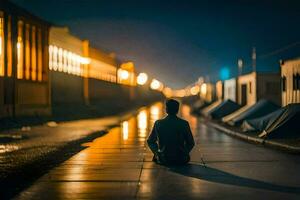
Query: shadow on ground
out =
(218, 176)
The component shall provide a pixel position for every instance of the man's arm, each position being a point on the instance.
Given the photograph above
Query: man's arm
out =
(152, 139)
(189, 139)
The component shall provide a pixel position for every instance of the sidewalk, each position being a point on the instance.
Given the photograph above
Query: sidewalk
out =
(110, 167)
(118, 166)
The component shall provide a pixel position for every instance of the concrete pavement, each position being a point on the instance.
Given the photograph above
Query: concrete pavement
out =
(118, 166)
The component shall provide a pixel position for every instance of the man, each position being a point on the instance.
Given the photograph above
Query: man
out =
(171, 139)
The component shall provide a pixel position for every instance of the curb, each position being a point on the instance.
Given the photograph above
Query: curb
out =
(256, 140)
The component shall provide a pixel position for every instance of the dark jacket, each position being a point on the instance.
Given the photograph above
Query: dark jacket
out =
(171, 139)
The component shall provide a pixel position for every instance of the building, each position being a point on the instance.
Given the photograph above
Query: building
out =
(77, 69)
(230, 91)
(206, 92)
(219, 90)
(290, 80)
(256, 85)
(126, 74)
(67, 67)
(23, 63)
(102, 66)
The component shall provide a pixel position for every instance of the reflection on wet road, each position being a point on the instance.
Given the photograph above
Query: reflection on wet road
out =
(114, 161)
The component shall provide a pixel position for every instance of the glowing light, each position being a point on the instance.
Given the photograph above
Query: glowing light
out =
(180, 93)
(65, 61)
(203, 89)
(224, 73)
(195, 90)
(55, 51)
(0, 45)
(124, 74)
(2, 71)
(142, 78)
(84, 60)
(142, 123)
(60, 59)
(125, 130)
(50, 57)
(155, 84)
(168, 92)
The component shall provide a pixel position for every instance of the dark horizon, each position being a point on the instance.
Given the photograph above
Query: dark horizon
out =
(176, 42)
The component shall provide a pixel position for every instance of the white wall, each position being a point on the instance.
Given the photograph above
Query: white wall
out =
(288, 69)
(230, 89)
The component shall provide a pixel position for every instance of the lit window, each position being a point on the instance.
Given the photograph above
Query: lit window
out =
(69, 62)
(33, 54)
(50, 57)
(60, 59)
(20, 51)
(27, 51)
(9, 48)
(55, 54)
(40, 55)
(2, 71)
(65, 62)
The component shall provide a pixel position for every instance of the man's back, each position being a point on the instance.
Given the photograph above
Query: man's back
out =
(171, 139)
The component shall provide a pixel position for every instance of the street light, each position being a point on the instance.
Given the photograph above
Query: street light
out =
(124, 74)
(195, 90)
(142, 78)
(168, 92)
(155, 84)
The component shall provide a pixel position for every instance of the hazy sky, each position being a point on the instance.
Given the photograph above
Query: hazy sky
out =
(179, 41)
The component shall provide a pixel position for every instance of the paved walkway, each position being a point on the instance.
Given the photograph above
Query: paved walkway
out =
(118, 166)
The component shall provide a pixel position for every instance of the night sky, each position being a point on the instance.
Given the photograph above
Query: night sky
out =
(179, 41)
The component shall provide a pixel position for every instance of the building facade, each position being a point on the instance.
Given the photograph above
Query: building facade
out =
(290, 81)
(255, 86)
(23, 63)
(230, 91)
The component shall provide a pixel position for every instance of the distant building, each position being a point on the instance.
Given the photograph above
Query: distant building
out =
(76, 67)
(230, 89)
(290, 76)
(207, 92)
(255, 86)
(219, 90)
(23, 63)
(102, 66)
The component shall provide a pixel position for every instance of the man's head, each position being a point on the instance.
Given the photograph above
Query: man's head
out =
(172, 106)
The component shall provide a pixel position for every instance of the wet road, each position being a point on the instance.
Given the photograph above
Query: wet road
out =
(22, 146)
(118, 166)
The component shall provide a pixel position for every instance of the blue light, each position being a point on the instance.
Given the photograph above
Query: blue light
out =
(224, 73)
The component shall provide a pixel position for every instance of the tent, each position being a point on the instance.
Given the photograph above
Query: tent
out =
(198, 106)
(205, 111)
(283, 123)
(229, 117)
(261, 108)
(225, 108)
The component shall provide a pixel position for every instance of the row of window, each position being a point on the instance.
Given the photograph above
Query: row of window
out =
(29, 52)
(65, 61)
(98, 74)
(68, 62)
(296, 82)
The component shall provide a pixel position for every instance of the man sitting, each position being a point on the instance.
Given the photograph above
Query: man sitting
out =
(171, 139)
